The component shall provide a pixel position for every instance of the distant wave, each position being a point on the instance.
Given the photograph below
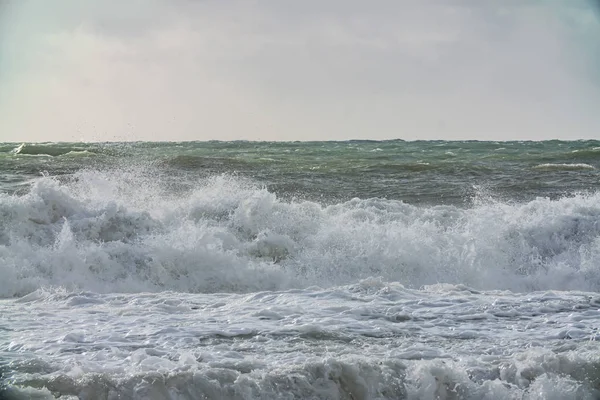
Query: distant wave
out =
(408, 167)
(49, 149)
(566, 167)
(79, 153)
(120, 232)
(198, 162)
(18, 149)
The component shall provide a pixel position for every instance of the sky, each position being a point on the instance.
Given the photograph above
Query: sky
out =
(106, 70)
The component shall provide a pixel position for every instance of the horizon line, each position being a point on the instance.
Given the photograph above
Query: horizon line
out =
(18, 143)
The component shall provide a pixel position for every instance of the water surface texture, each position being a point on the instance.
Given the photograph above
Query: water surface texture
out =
(320, 270)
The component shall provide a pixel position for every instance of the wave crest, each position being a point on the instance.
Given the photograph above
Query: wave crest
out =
(123, 232)
(564, 166)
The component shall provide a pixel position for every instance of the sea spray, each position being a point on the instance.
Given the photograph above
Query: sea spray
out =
(117, 232)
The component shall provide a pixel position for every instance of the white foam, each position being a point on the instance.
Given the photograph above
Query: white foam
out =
(124, 232)
(341, 342)
(567, 167)
(18, 149)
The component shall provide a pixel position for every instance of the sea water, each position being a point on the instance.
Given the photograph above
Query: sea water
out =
(323, 270)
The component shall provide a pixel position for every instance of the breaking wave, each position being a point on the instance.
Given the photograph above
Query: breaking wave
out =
(533, 374)
(49, 150)
(124, 232)
(566, 167)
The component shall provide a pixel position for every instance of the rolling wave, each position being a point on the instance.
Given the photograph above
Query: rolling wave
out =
(532, 374)
(564, 167)
(50, 150)
(123, 232)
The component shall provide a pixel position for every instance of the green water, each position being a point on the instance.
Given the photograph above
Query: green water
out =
(421, 172)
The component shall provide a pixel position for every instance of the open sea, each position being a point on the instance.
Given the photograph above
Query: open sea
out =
(301, 270)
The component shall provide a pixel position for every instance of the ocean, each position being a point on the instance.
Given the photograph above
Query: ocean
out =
(300, 270)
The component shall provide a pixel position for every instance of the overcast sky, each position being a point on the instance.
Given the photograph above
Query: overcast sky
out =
(99, 70)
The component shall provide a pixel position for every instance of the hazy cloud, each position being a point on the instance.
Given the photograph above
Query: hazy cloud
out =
(289, 70)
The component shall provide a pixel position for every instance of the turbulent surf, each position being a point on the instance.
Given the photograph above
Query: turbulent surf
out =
(323, 270)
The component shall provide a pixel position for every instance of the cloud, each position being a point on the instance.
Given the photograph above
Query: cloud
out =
(197, 70)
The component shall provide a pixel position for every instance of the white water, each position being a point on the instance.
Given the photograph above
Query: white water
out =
(253, 297)
(107, 234)
(370, 340)
(566, 167)
(18, 149)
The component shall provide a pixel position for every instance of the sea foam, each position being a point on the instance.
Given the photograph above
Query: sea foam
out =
(129, 232)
